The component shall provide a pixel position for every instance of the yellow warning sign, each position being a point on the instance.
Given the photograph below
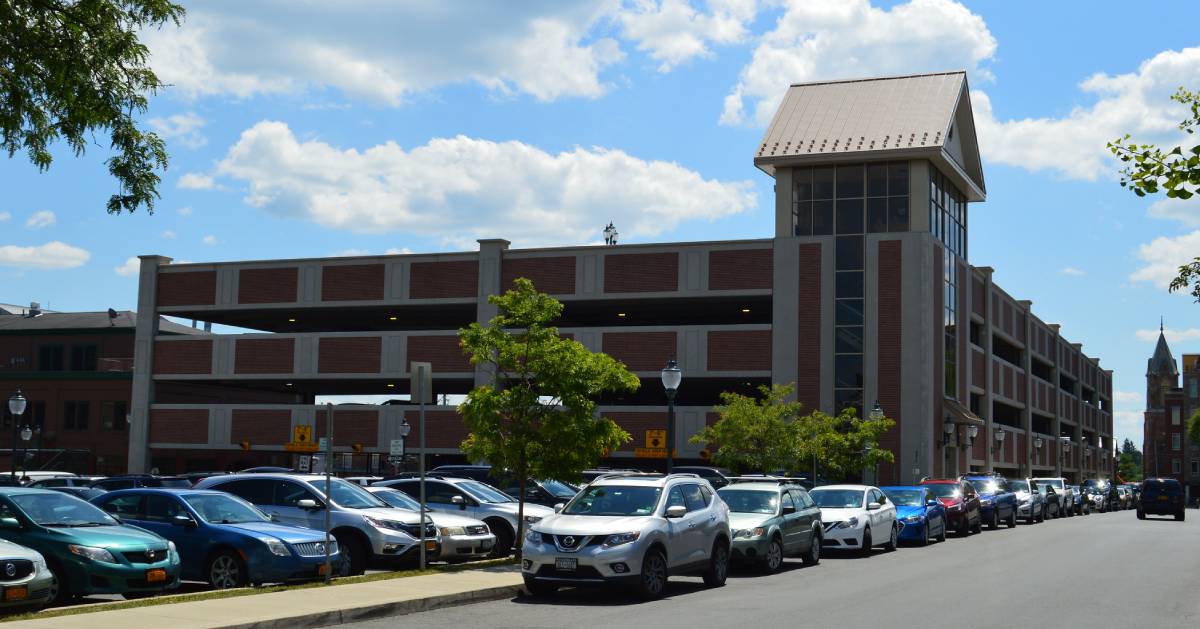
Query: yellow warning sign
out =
(302, 434)
(651, 453)
(656, 438)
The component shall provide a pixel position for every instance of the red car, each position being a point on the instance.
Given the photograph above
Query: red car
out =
(961, 502)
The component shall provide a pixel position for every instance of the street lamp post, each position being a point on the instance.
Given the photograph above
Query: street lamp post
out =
(26, 435)
(672, 375)
(876, 414)
(405, 429)
(16, 406)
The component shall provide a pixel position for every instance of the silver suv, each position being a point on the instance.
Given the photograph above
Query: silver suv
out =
(631, 529)
(367, 529)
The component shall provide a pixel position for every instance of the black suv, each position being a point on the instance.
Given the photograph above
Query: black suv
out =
(1161, 496)
(134, 481)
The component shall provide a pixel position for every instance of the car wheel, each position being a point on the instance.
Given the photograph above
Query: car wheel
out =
(1042, 514)
(1012, 519)
(995, 522)
(1141, 515)
(538, 589)
(813, 556)
(653, 582)
(894, 540)
(354, 552)
(59, 591)
(942, 532)
(865, 548)
(225, 570)
(773, 560)
(1179, 516)
(979, 524)
(928, 529)
(718, 565)
(504, 539)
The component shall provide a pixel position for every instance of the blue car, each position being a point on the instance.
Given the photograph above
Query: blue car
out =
(919, 512)
(221, 538)
(997, 500)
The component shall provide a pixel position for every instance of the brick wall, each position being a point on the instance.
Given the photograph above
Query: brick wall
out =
(267, 286)
(354, 354)
(443, 352)
(261, 427)
(351, 427)
(188, 288)
(939, 345)
(352, 282)
(740, 269)
(432, 280)
(641, 351)
(641, 272)
(264, 355)
(446, 429)
(808, 327)
(183, 357)
(179, 426)
(740, 350)
(890, 328)
(555, 276)
(636, 423)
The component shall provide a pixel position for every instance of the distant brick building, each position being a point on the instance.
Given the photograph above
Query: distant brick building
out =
(1166, 450)
(862, 293)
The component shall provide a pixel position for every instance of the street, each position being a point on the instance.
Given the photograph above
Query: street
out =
(1105, 570)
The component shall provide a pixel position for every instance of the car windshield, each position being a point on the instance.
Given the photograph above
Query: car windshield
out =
(1053, 482)
(349, 495)
(1018, 485)
(905, 497)
(58, 509)
(398, 499)
(750, 500)
(945, 490)
(175, 483)
(558, 489)
(985, 486)
(484, 493)
(224, 509)
(837, 498)
(614, 500)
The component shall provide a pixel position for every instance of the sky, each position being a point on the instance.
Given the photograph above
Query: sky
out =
(361, 127)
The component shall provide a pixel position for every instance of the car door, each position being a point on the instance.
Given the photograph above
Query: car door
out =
(703, 520)
(127, 508)
(287, 495)
(887, 510)
(159, 513)
(875, 516)
(970, 499)
(681, 532)
(810, 516)
(789, 521)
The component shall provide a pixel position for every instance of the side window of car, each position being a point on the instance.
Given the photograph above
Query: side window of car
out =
(435, 492)
(254, 491)
(289, 494)
(162, 508)
(803, 499)
(675, 498)
(6, 510)
(124, 507)
(693, 497)
(786, 501)
(707, 493)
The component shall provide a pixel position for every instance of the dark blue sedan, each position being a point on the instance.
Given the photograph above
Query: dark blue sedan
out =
(919, 512)
(221, 538)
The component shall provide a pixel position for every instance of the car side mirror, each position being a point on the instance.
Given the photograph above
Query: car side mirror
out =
(559, 507)
(676, 511)
(307, 503)
(874, 506)
(185, 521)
(788, 509)
(932, 502)
(10, 523)
(274, 517)
(460, 501)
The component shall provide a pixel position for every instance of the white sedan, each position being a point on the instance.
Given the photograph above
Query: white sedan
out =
(856, 517)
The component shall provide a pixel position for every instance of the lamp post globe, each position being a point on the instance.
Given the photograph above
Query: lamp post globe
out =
(672, 375)
(876, 412)
(26, 433)
(405, 430)
(16, 406)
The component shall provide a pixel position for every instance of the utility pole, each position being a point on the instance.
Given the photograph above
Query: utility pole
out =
(328, 483)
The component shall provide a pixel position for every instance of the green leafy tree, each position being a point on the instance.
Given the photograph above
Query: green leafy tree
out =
(71, 68)
(1194, 428)
(844, 444)
(1128, 469)
(754, 434)
(537, 418)
(1130, 448)
(1175, 171)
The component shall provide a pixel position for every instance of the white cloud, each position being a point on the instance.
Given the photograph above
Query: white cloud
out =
(132, 266)
(209, 240)
(168, 234)
(40, 219)
(350, 253)
(183, 127)
(837, 39)
(385, 52)
(196, 181)
(1073, 145)
(1185, 212)
(1173, 335)
(461, 189)
(1127, 397)
(4, 216)
(53, 255)
(1163, 256)
(185, 211)
(402, 251)
(1128, 425)
(673, 31)
(1072, 271)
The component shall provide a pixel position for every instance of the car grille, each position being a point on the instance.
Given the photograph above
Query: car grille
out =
(12, 569)
(572, 543)
(482, 529)
(415, 531)
(314, 549)
(148, 556)
(829, 526)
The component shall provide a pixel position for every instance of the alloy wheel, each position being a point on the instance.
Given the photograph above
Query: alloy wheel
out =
(654, 574)
(224, 573)
(774, 556)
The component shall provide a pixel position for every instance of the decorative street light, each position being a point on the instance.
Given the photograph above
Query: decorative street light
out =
(998, 435)
(972, 430)
(16, 406)
(405, 429)
(672, 375)
(877, 412)
(610, 234)
(947, 432)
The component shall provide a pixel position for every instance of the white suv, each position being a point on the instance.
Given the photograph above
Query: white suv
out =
(631, 529)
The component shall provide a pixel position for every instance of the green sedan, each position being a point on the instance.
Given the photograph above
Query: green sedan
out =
(771, 519)
(87, 550)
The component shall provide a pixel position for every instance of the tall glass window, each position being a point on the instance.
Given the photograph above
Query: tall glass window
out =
(948, 223)
(850, 199)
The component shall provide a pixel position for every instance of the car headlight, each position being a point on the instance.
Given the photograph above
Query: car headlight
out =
(986, 501)
(93, 553)
(912, 518)
(749, 533)
(621, 538)
(533, 537)
(533, 519)
(452, 530)
(277, 547)
(39, 565)
(384, 524)
(848, 524)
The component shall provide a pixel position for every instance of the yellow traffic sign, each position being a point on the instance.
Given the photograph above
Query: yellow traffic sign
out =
(651, 453)
(656, 438)
(302, 434)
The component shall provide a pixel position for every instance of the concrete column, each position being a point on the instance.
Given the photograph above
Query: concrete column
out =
(143, 363)
(783, 203)
(988, 391)
(1027, 365)
(920, 403)
(785, 312)
(1055, 427)
(491, 257)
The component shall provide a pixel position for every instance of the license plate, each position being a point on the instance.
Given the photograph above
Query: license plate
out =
(16, 593)
(566, 563)
(430, 545)
(1164, 498)
(157, 575)
(321, 570)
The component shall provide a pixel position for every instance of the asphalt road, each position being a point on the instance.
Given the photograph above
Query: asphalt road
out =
(1103, 570)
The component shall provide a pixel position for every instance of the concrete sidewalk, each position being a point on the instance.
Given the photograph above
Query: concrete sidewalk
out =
(311, 607)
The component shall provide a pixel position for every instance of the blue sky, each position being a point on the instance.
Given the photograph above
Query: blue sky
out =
(297, 130)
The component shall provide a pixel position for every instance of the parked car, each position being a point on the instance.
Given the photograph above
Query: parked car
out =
(134, 481)
(87, 550)
(476, 500)
(718, 477)
(770, 520)
(1082, 506)
(963, 509)
(221, 538)
(368, 531)
(1052, 499)
(462, 538)
(593, 474)
(363, 481)
(1096, 491)
(635, 530)
(25, 579)
(195, 477)
(921, 514)
(1126, 497)
(1161, 496)
(33, 476)
(1135, 494)
(1031, 505)
(268, 469)
(856, 517)
(997, 502)
(83, 493)
(539, 492)
(65, 481)
(1066, 498)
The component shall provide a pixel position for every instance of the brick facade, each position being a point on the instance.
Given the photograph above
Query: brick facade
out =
(891, 270)
(354, 282)
(740, 269)
(641, 272)
(641, 351)
(261, 427)
(267, 286)
(808, 324)
(183, 357)
(187, 288)
(555, 276)
(352, 354)
(443, 352)
(443, 280)
(178, 426)
(740, 350)
(446, 429)
(261, 356)
(351, 427)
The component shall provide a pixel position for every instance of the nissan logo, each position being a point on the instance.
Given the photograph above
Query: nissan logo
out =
(568, 541)
(10, 569)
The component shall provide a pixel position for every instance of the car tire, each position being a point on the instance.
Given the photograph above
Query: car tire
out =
(653, 582)
(1141, 515)
(504, 538)
(979, 524)
(225, 570)
(1179, 516)
(1012, 519)
(942, 534)
(718, 565)
(864, 549)
(813, 556)
(773, 559)
(928, 529)
(354, 552)
(60, 592)
(537, 589)
(894, 539)
(995, 522)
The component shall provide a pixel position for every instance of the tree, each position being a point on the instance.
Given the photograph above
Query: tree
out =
(71, 68)
(1129, 470)
(1128, 447)
(754, 434)
(844, 444)
(1194, 428)
(1150, 169)
(537, 418)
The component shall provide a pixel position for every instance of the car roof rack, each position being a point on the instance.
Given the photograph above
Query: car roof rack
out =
(644, 475)
(781, 480)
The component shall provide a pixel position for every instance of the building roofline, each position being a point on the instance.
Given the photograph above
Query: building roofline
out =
(866, 79)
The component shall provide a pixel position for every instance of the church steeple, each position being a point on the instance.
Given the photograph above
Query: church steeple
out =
(1162, 363)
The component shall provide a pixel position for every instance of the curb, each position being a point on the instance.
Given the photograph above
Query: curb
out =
(384, 610)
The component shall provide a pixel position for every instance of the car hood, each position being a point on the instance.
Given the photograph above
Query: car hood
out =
(949, 502)
(530, 508)
(909, 511)
(388, 513)
(121, 537)
(451, 519)
(290, 534)
(837, 515)
(748, 520)
(591, 524)
(10, 550)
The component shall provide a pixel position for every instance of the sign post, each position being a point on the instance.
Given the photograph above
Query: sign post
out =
(328, 466)
(420, 385)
